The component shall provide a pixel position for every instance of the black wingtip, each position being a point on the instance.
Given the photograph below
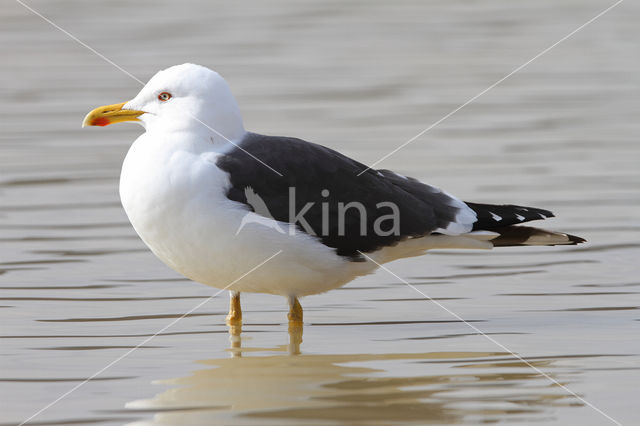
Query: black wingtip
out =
(493, 216)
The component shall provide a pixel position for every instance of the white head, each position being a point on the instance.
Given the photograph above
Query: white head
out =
(184, 97)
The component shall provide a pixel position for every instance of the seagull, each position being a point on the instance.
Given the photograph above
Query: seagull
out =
(213, 200)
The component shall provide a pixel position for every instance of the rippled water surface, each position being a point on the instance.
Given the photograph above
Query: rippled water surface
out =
(78, 289)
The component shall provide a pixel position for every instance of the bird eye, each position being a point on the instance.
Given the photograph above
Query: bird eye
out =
(164, 96)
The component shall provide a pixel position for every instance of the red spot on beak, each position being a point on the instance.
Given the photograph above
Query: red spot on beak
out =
(101, 121)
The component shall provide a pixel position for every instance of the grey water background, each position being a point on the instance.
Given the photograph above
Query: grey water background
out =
(78, 289)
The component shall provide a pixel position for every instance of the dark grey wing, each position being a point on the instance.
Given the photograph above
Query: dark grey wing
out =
(318, 184)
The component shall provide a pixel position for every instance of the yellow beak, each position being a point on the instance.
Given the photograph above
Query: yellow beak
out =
(109, 114)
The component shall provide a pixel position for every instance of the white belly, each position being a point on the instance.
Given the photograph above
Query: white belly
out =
(176, 201)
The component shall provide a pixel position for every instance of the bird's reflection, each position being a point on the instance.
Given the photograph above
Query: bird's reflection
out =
(282, 386)
(295, 338)
(235, 339)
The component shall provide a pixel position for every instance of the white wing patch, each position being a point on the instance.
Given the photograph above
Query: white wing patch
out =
(464, 220)
(495, 217)
(520, 218)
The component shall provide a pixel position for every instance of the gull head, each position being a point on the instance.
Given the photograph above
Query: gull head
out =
(181, 98)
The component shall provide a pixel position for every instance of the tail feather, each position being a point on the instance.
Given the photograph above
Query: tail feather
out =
(529, 236)
(503, 220)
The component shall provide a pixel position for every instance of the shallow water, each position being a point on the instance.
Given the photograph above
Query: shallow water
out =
(79, 290)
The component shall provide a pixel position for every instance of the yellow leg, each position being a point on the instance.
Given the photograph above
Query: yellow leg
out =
(235, 312)
(295, 311)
